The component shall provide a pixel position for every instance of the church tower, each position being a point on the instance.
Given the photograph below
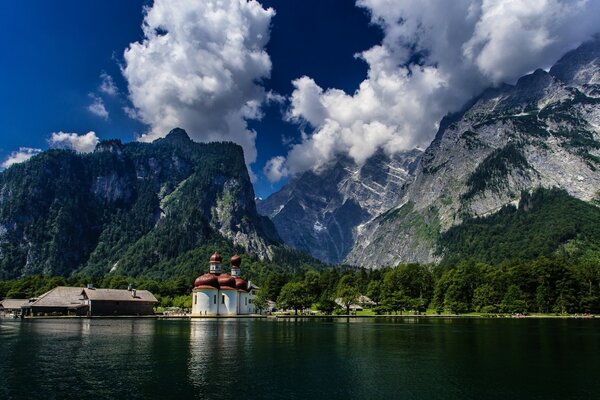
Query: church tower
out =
(215, 263)
(236, 261)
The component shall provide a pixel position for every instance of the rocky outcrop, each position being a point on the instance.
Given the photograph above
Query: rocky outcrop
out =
(318, 211)
(542, 132)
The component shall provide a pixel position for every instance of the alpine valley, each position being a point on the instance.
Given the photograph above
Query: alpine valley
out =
(514, 174)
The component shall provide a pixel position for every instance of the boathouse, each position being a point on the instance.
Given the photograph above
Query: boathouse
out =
(64, 300)
(118, 302)
(12, 307)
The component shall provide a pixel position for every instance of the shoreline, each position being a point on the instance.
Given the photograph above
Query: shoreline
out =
(295, 317)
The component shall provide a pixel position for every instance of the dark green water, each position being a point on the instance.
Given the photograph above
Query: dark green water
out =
(305, 359)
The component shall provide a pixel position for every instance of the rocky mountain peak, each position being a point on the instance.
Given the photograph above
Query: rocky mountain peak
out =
(109, 146)
(175, 136)
(542, 132)
(581, 67)
(318, 212)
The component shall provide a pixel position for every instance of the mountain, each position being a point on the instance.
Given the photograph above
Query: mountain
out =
(318, 211)
(134, 208)
(542, 132)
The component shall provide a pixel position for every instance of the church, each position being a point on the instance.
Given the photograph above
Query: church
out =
(217, 293)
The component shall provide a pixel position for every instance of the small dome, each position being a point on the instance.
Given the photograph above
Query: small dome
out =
(236, 261)
(241, 284)
(216, 258)
(207, 280)
(226, 280)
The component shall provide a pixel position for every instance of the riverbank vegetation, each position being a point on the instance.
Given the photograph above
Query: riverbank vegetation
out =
(544, 285)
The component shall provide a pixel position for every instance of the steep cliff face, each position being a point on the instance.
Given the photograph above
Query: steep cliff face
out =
(127, 207)
(317, 212)
(542, 132)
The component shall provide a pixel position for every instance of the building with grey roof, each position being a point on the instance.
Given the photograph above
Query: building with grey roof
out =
(63, 300)
(12, 307)
(118, 302)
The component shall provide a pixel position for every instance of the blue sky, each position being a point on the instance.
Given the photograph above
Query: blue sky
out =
(58, 50)
(297, 83)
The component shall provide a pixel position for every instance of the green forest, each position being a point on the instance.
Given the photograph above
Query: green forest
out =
(544, 285)
(145, 221)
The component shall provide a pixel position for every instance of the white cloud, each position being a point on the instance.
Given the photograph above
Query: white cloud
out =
(461, 47)
(19, 156)
(199, 67)
(97, 107)
(80, 143)
(275, 169)
(107, 85)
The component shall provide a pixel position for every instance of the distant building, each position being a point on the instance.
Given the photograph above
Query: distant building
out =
(118, 302)
(63, 300)
(217, 293)
(12, 307)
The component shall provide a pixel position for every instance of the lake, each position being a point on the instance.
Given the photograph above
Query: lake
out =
(374, 358)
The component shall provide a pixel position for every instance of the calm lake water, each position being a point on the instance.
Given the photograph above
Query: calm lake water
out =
(300, 359)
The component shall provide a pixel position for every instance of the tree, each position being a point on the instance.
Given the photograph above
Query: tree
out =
(513, 301)
(347, 292)
(295, 296)
(396, 302)
(312, 280)
(485, 298)
(326, 304)
(374, 291)
(348, 295)
(260, 301)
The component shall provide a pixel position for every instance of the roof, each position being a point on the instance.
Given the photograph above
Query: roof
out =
(60, 296)
(11, 304)
(118, 295)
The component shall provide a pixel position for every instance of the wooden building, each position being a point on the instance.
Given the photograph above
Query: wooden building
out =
(118, 302)
(63, 300)
(12, 307)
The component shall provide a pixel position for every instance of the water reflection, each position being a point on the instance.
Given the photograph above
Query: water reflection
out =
(299, 359)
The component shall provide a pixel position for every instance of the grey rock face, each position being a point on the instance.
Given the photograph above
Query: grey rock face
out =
(317, 212)
(542, 132)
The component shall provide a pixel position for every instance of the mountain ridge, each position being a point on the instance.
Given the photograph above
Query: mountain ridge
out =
(125, 208)
(318, 211)
(540, 132)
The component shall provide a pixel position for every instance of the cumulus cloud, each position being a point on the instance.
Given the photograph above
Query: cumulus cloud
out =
(275, 169)
(80, 143)
(199, 67)
(434, 56)
(108, 85)
(19, 156)
(97, 106)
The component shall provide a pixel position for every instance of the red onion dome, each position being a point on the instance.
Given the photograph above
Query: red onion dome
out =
(207, 280)
(241, 284)
(216, 258)
(236, 261)
(226, 280)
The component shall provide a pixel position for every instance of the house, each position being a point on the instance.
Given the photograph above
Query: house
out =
(62, 300)
(12, 307)
(217, 293)
(118, 301)
(90, 301)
